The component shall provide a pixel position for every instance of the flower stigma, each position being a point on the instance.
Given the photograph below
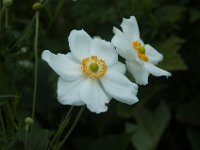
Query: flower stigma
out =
(93, 67)
(141, 50)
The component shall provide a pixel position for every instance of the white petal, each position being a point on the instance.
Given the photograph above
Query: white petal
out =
(69, 92)
(94, 96)
(138, 71)
(156, 71)
(130, 28)
(119, 87)
(119, 67)
(65, 66)
(153, 55)
(122, 44)
(104, 50)
(79, 43)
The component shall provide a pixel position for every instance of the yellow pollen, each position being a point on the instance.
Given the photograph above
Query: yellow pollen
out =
(93, 67)
(141, 50)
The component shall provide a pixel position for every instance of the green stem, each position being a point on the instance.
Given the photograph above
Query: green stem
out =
(61, 127)
(6, 17)
(71, 128)
(8, 96)
(2, 123)
(1, 13)
(2, 127)
(36, 62)
(26, 136)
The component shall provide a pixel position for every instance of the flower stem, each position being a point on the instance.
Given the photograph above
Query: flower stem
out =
(36, 62)
(1, 13)
(61, 127)
(6, 17)
(26, 137)
(71, 128)
(3, 129)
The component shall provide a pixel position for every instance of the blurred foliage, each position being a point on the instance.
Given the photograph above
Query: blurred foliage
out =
(168, 114)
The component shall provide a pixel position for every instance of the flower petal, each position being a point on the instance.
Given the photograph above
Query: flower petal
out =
(79, 43)
(69, 92)
(156, 71)
(130, 28)
(94, 96)
(64, 65)
(138, 71)
(104, 50)
(119, 87)
(122, 44)
(119, 67)
(153, 55)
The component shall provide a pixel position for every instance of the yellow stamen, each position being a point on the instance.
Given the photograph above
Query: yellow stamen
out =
(93, 67)
(144, 57)
(141, 50)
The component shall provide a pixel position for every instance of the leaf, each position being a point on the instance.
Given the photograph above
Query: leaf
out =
(150, 127)
(172, 60)
(170, 17)
(126, 111)
(38, 138)
(194, 15)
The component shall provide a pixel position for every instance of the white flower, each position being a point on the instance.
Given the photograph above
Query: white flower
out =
(140, 58)
(90, 74)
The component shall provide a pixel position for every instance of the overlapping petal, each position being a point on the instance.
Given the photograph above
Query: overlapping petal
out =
(154, 56)
(64, 65)
(93, 96)
(130, 28)
(138, 71)
(119, 68)
(79, 43)
(104, 50)
(156, 71)
(69, 92)
(122, 44)
(119, 87)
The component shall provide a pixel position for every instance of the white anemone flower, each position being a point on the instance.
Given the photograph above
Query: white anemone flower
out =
(90, 74)
(140, 58)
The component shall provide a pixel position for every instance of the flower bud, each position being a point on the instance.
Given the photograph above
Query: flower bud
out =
(37, 6)
(28, 121)
(7, 2)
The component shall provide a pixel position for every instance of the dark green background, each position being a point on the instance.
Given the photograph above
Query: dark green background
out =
(168, 114)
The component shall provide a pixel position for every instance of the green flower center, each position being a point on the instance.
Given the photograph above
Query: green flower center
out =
(141, 50)
(94, 67)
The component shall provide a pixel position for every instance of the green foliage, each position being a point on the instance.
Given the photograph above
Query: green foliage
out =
(150, 127)
(170, 50)
(167, 116)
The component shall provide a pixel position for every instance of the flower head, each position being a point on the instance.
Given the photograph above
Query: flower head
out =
(140, 58)
(90, 74)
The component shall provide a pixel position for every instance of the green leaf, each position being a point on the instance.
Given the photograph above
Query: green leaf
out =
(170, 17)
(38, 138)
(127, 111)
(194, 15)
(150, 127)
(170, 49)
